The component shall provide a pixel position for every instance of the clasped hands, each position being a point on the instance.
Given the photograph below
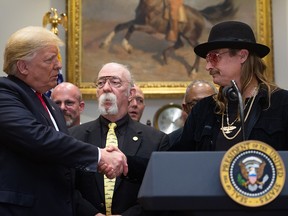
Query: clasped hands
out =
(113, 162)
(100, 214)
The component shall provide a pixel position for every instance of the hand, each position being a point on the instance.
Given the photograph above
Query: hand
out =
(103, 167)
(113, 162)
(100, 214)
(113, 148)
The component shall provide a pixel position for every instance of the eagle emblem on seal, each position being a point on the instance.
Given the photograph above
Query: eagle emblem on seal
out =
(252, 170)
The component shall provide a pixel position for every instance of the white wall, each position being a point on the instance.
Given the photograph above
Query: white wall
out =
(280, 34)
(16, 14)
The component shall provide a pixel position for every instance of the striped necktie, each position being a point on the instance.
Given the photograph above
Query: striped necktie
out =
(109, 184)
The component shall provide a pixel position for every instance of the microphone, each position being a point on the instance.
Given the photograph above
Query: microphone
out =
(229, 93)
(232, 93)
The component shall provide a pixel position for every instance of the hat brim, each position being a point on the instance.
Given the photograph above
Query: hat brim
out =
(259, 49)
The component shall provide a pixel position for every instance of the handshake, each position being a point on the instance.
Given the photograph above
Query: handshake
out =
(113, 162)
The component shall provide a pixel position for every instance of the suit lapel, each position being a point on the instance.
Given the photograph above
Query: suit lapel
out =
(133, 138)
(93, 134)
(45, 118)
(254, 115)
(32, 102)
(132, 142)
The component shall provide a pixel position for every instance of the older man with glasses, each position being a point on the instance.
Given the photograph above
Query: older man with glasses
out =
(137, 141)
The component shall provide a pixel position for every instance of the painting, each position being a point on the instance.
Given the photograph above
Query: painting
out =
(92, 42)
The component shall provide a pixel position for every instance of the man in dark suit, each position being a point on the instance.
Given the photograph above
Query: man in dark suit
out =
(195, 91)
(135, 140)
(37, 157)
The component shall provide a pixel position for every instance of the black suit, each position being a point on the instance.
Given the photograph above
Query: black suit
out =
(36, 161)
(140, 141)
(175, 137)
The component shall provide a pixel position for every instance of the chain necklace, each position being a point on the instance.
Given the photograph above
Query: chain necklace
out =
(230, 126)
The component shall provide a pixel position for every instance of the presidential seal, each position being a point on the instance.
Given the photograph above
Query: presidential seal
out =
(252, 173)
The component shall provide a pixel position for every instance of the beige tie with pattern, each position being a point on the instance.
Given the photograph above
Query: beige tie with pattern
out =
(109, 183)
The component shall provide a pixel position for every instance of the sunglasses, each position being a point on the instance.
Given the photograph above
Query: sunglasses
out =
(214, 57)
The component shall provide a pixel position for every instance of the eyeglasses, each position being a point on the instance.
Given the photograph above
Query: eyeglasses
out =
(114, 81)
(192, 103)
(214, 57)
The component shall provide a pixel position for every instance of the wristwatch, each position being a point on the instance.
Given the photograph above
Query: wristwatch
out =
(168, 118)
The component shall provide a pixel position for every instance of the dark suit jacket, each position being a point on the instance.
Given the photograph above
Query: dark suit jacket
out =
(91, 186)
(36, 161)
(175, 137)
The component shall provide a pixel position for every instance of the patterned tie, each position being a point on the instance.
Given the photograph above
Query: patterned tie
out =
(111, 140)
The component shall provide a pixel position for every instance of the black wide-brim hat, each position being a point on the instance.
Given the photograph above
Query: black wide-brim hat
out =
(231, 34)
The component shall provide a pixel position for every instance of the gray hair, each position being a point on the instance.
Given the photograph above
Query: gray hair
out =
(122, 68)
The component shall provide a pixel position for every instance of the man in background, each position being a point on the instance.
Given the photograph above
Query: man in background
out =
(69, 99)
(195, 91)
(136, 104)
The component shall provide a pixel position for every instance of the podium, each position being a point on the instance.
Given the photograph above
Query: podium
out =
(188, 183)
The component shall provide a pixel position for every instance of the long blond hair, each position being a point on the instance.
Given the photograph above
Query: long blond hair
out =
(254, 66)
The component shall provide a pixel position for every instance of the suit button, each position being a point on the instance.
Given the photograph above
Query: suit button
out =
(102, 205)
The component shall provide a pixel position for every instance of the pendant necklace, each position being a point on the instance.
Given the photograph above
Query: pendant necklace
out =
(230, 126)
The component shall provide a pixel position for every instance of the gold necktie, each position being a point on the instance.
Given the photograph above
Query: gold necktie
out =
(110, 183)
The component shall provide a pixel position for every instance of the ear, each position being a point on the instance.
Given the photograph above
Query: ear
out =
(243, 55)
(82, 106)
(132, 92)
(22, 67)
(185, 108)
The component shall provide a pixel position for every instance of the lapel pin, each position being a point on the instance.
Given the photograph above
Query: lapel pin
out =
(135, 138)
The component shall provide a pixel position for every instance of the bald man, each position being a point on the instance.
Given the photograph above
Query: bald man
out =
(136, 104)
(69, 98)
(195, 91)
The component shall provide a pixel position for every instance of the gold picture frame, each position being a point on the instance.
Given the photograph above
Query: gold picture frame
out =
(79, 59)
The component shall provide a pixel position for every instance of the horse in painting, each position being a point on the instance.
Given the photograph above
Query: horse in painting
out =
(150, 18)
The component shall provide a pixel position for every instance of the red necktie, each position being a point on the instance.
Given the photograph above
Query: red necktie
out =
(39, 95)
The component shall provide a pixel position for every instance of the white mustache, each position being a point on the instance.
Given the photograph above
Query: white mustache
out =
(108, 97)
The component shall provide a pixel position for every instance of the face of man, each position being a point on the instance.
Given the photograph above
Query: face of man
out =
(223, 66)
(41, 72)
(67, 97)
(196, 92)
(136, 105)
(113, 91)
